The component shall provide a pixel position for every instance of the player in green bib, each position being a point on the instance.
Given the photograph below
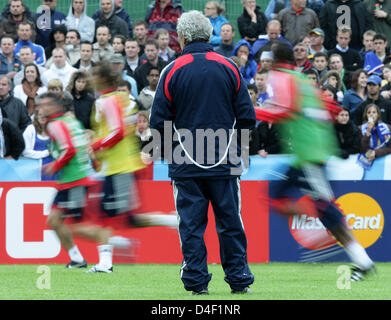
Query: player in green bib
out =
(73, 166)
(306, 129)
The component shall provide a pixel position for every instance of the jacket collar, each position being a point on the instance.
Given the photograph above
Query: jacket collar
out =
(284, 66)
(53, 116)
(195, 47)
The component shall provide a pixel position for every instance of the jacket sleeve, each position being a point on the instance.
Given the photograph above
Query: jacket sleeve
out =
(358, 113)
(13, 139)
(24, 119)
(161, 109)
(272, 145)
(59, 133)
(385, 150)
(90, 34)
(243, 108)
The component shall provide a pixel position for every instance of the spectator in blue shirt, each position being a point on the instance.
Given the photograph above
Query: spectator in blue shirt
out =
(215, 12)
(25, 32)
(248, 66)
(358, 92)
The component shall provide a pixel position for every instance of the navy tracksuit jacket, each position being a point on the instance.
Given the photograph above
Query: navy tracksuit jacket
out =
(204, 90)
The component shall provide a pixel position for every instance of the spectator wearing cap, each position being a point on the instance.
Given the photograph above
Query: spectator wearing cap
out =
(266, 60)
(117, 62)
(351, 58)
(374, 96)
(316, 42)
(303, 19)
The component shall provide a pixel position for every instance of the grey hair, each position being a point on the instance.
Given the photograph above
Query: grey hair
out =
(194, 26)
(3, 76)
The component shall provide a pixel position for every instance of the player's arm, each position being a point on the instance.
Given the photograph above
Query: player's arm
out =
(112, 113)
(60, 134)
(281, 105)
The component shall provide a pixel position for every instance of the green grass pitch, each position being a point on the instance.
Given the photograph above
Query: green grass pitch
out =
(273, 281)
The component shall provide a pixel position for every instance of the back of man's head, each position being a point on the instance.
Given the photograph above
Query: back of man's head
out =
(194, 26)
(282, 52)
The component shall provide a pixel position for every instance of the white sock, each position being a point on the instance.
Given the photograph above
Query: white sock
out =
(119, 242)
(168, 220)
(75, 254)
(358, 255)
(105, 255)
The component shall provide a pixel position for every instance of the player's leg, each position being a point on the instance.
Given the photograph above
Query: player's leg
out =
(225, 197)
(60, 210)
(280, 199)
(333, 219)
(147, 219)
(115, 201)
(192, 208)
(154, 219)
(101, 235)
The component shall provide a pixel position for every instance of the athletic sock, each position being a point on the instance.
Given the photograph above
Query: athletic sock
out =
(358, 255)
(120, 242)
(105, 255)
(75, 254)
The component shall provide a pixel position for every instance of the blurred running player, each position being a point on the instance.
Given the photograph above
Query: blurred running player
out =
(73, 166)
(306, 123)
(117, 149)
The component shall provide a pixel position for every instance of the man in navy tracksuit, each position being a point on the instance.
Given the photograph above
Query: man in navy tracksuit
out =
(202, 91)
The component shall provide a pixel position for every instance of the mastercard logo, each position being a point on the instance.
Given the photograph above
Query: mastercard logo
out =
(364, 217)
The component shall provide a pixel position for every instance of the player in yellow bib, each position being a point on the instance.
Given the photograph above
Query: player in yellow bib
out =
(117, 148)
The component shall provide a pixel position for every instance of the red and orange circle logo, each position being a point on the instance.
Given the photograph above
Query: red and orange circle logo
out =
(364, 217)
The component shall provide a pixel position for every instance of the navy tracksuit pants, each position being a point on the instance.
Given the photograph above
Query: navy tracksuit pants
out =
(192, 197)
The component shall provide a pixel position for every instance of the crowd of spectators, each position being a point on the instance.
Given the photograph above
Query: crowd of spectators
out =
(346, 58)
